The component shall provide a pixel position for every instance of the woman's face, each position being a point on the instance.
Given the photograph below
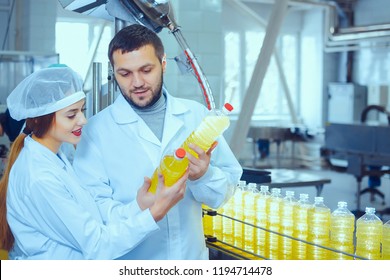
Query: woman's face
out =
(67, 126)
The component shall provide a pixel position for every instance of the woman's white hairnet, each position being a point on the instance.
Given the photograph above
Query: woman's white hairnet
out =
(45, 91)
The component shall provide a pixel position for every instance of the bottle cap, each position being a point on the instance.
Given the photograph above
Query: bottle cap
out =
(290, 193)
(303, 196)
(276, 191)
(228, 107)
(180, 153)
(342, 204)
(264, 188)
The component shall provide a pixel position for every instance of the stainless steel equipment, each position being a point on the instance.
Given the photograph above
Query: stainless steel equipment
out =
(154, 14)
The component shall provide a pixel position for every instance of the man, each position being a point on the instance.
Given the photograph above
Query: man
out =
(126, 141)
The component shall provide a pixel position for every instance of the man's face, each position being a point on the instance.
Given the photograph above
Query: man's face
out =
(139, 75)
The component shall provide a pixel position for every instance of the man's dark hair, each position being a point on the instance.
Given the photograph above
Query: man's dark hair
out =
(133, 37)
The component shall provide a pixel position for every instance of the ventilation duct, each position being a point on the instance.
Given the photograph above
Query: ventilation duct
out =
(338, 38)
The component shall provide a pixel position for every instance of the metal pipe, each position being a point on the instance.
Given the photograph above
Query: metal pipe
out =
(197, 70)
(96, 87)
(110, 85)
(336, 36)
(119, 24)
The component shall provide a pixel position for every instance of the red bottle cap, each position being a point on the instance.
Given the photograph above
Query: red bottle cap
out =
(228, 107)
(180, 153)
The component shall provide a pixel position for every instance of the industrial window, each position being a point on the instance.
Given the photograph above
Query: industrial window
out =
(241, 52)
(80, 44)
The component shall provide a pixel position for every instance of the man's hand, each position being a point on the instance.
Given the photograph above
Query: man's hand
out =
(198, 166)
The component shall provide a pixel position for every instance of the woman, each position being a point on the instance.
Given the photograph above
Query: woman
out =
(45, 213)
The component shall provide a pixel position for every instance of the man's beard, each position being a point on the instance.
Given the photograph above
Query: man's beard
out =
(153, 101)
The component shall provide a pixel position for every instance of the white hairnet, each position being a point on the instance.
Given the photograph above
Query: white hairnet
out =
(45, 91)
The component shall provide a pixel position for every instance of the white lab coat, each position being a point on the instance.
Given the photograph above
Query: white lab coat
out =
(53, 217)
(117, 150)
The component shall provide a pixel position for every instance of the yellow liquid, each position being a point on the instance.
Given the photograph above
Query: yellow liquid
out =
(368, 239)
(273, 223)
(319, 224)
(217, 225)
(341, 236)
(239, 216)
(227, 224)
(386, 242)
(207, 223)
(261, 221)
(300, 231)
(249, 217)
(172, 169)
(207, 132)
(286, 227)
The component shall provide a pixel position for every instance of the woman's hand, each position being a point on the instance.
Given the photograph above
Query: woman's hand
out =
(145, 199)
(167, 197)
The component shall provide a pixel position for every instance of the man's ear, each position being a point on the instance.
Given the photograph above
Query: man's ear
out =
(164, 62)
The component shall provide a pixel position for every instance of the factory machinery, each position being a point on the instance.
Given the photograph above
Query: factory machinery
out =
(155, 15)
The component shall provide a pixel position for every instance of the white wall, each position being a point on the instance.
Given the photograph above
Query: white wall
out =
(200, 23)
(35, 26)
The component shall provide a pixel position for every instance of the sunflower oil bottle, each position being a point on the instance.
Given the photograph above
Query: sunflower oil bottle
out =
(238, 214)
(249, 217)
(286, 225)
(342, 227)
(207, 222)
(212, 126)
(227, 211)
(273, 224)
(369, 230)
(217, 225)
(319, 225)
(386, 241)
(261, 218)
(300, 227)
(172, 167)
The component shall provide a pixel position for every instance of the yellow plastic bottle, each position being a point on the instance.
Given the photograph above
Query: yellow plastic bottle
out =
(386, 241)
(212, 126)
(261, 220)
(217, 225)
(301, 227)
(238, 214)
(249, 217)
(342, 227)
(273, 224)
(207, 222)
(319, 225)
(369, 235)
(227, 223)
(286, 225)
(172, 167)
